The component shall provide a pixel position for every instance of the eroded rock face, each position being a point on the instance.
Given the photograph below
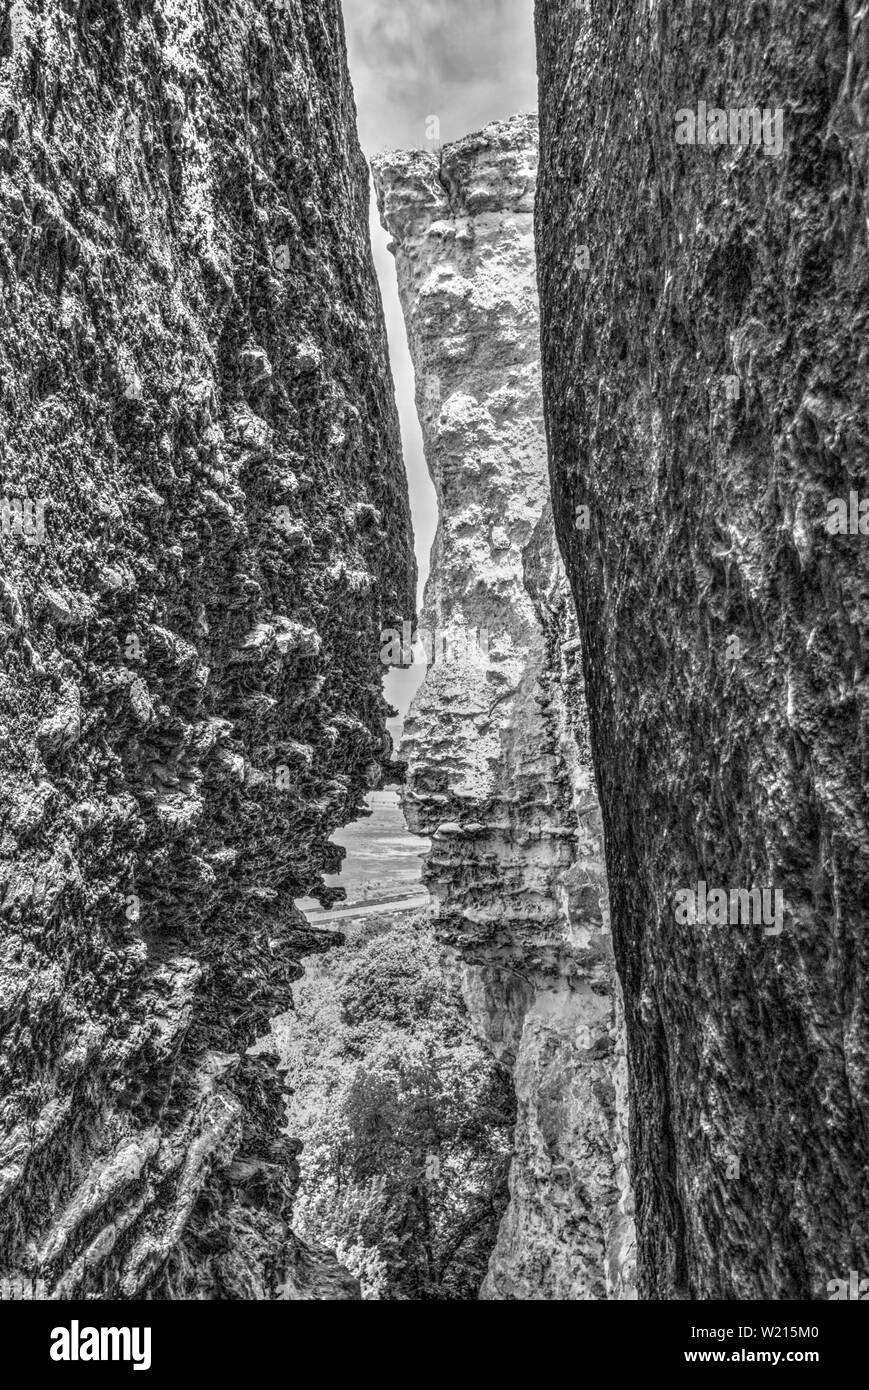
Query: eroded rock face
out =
(704, 315)
(193, 380)
(496, 741)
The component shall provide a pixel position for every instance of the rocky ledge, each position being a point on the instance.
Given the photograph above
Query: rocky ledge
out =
(499, 771)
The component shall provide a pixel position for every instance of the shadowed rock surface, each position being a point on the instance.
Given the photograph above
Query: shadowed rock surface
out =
(193, 377)
(499, 772)
(736, 763)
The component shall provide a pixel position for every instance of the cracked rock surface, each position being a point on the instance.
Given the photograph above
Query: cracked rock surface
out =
(705, 367)
(193, 381)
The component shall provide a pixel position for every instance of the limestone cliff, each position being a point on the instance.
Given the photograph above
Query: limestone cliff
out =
(704, 314)
(205, 528)
(496, 742)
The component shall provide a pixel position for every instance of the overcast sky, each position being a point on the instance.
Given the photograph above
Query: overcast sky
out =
(467, 62)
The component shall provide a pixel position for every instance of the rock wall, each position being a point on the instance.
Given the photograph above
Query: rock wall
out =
(204, 530)
(496, 741)
(704, 315)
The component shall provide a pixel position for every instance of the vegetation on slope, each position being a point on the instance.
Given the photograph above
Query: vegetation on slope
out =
(406, 1119)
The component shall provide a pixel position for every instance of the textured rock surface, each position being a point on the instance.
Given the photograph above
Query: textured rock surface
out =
(498, 765)
(735, 764)
(193, 374)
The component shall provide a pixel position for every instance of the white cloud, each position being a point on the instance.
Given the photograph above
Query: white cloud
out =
(467, 61)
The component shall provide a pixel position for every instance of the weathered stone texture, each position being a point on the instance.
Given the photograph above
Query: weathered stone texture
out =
(499, 772)
(742, 763)
(193, 374)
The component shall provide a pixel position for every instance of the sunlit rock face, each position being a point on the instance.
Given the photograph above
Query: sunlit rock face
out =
(499, 772)
(704, 314)
(193, 382)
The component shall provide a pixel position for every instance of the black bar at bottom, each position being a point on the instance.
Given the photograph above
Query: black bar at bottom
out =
(163, 1341)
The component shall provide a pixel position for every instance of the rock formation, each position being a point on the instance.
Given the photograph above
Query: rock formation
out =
(704, 317)
(204, 531)
(496, 741)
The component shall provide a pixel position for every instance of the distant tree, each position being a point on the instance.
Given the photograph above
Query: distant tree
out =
(406, 1118)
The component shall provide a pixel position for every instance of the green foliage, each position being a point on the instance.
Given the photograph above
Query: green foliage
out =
(406, 1119)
